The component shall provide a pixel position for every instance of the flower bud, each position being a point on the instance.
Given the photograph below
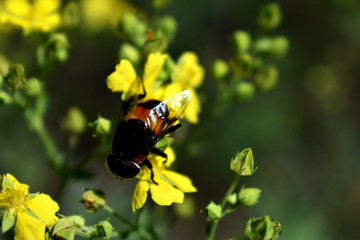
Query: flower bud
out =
(272, 47)
(269, 16)
(130, 52)
(104, 229)
(242, 65)
(63, 229)
(245, 90)
(212, 211)
(94, 200)
(249, 196)
(5, 98)
(71, 15)
(59, 43)
(160, 4)
(280, 46)
(266, 78)
(262, 228)
(15, 78)
(32, 87)
(243, 163)
(167, 26)
(74, 121)
(78, 220)
(133, 27)
(241, 42)
(220, 69)
(101, 126)
(233, 199)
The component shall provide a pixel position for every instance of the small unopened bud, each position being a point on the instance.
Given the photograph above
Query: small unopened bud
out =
(32, 87)
(167, 26)
(133, 27)
(272, 47)
(241, 42)
(15, 78)
(104, 229)
(280, 46)
(242, 65)
(245, 90)
(220, 69)
(233, 199)
(101, 126)
(59, 43)
(130, 52)
(269, 16)
(263, 228)
(160, 4)
(5, 98)
(74, 121)
(63, 229)
(249, 196)
(266, 78)
(94, 200)
(212, 211)
(78, 220)
(243, 163)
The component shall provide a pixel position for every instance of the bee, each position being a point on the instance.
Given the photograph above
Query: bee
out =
(141, 125)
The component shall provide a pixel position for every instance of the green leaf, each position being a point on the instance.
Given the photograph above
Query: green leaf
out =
(8, 219)
(33, 195)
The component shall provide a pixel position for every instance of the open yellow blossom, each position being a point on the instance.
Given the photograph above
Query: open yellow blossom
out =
(124, 75)
(188, 75)
(34, 212)
(37, 15)
(169, 188)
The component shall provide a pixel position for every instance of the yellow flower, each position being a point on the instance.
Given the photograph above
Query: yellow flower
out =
(124, 75)
(33, 212)
(188, 75)
(37, 15)
(169, 187)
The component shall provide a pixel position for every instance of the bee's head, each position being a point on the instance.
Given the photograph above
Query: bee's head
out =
(122, 168)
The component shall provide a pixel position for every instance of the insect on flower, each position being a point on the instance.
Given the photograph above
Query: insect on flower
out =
(141, 125)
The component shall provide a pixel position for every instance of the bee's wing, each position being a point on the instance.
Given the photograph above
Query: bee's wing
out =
(131, 97)
(176, 106)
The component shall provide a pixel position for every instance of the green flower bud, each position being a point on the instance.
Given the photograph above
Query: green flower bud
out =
(241, 42)
(243, 163)
(32, 87)
(167, 26)
(74, 121)
(63, 229)
(186, 209)
(94, 200)
(155, 45)
(220, 69)
(233, 199)
(249, 196)
(266, 78)
(160, 4)
(212, 211)
(104, 229)
(245, 90)
(242, 65)
(78, 220)
(59, 43)
(133, 27)
(262, 228)
(130, 52)
(5, 98)
(101, 126)
(15, 78)
(272, 47)
(71, 15)
(269, 16)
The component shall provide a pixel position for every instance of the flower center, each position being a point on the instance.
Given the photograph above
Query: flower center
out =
(12, 198)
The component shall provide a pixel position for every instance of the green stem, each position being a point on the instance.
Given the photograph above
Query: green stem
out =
(212, 226)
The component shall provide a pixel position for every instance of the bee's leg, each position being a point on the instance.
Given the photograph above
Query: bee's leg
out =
(172, 128)
(148, 164)
(160, 153)
(143, 88)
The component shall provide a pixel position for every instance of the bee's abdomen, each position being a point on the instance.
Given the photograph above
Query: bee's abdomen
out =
(133, 140)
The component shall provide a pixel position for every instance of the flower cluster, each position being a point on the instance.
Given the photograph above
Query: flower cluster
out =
(33, 212)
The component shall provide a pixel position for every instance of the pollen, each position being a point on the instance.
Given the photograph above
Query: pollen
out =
(14, 199)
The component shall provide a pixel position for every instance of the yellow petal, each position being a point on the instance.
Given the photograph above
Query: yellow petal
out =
(182, 182)
(153, 66)
(164, 194)
(46, 6)
(18, 8)
(122, 78)
(44, 208)
(28, 227)
(188, 70)
(18, 186)
(170, 156)
(140, 194)
(193, 110)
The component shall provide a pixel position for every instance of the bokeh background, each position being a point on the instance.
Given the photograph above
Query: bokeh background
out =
(304, 133)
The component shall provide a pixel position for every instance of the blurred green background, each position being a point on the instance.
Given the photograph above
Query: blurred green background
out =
(304, 133)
